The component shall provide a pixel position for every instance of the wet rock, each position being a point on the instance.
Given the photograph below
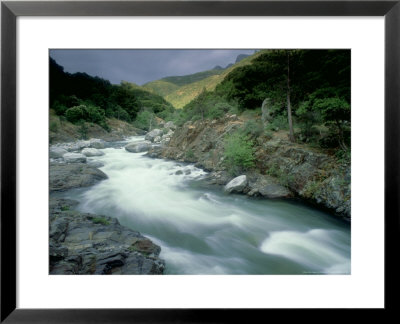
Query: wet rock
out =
(95, 164)
(97, 143)
(237, 184)
(67, 176)
(93, 244)
(74, 158)
(274, 191)
(57, 152)
(92, 152)
(137, 147)
(150, 136)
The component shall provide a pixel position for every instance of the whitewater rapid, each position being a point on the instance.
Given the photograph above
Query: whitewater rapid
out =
(202, 230)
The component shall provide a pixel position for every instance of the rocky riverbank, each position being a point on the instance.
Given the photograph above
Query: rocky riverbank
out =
(283, 169)
(86, 243)
(92, 244)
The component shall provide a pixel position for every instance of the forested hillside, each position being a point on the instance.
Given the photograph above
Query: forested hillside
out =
(316, 84)
(81, 98)
(180, 90)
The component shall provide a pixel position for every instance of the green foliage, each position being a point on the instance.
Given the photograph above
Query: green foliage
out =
(284, 178)
(252, 128)
(189, 154)
(83, 129)
(65, 207)
(343, 156)
(278, 122)
(311, 189)
(238, 153)
(100, 220)
(208, 105)
(53, 126)
(76, 114)
(145, 120)
(98, 98)
(334, 112)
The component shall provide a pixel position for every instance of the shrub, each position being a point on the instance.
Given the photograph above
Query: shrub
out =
(94, 114)
(101, 220)
(83, 129)
(252, 128)
(75, 114)
(145, 120)
(239, 153)
(277, 123)
(189, 154)
(53, 126)
(59, 108)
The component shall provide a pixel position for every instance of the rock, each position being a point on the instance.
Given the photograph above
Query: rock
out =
(218, 177)
(157, 139)
(95, 164)
(74, 158)
(94, 244)
(154, 152)
(77, 146)
(237, 184)
(275, 191)
(92, 152)
(57, 152)
(179, 172)
(137, 147)
(150, 136)
(68, 176)
(170, 125)
(97, 143)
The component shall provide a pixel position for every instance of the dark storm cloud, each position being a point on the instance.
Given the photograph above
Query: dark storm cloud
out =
(141, 66)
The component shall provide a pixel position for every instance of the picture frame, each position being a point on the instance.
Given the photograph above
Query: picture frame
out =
(10, 10)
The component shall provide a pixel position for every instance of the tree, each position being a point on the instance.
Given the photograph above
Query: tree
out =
(336, 114)
(289, 108)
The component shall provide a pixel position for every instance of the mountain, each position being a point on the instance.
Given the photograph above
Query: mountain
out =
(180, 90)
(241, 57)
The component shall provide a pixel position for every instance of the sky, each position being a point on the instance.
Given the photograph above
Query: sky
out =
(142, 66)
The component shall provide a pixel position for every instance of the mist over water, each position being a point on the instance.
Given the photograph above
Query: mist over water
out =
(202, 230)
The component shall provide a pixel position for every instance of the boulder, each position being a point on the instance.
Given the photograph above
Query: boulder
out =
(137, 147)
(74, 158)
(236, 185)
(274, 191)
(95, 164)
(67, 176)
(57, 152)
(150, 136)
(157, 139)
(91, 152)
(170, 125)
(97, 143)
(77, 146)
(94, 244)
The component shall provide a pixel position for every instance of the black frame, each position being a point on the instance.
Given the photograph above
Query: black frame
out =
(10, 10)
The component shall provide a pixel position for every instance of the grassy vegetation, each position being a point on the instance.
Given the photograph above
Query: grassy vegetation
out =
(180, 91)
(100, 220)
(238, 153)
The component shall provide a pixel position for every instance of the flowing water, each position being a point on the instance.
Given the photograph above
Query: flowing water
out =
(202, 230)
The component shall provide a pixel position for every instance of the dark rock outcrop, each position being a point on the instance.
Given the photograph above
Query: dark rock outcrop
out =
(92, 244)
(67, 176)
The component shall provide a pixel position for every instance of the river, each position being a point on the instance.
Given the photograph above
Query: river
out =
(202, 230)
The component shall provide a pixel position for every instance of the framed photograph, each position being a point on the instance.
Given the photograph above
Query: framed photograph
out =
(190, 161)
